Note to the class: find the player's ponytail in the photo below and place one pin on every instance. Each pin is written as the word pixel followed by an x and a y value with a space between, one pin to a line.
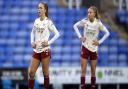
pixel 46 8
pixel 95 11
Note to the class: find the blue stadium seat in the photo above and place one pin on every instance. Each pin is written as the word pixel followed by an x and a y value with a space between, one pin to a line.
pixel 76 49
pixel 112 58
pixel 55 64
pixel 114 34
pixel 121 16
pixel 75 57
pixel 65 57
pixel 113 49
pixel 103 59
pixel 122 58
pixel 113 42
pixel 104 49
pixel 56 57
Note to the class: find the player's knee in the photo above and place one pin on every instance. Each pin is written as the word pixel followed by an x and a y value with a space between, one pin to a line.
pixel 45 72
pixel 93 68
pixel 31 74
pixel 83 72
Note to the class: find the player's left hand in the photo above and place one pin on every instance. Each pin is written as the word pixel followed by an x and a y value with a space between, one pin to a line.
pixel 95 42
pixel 45 43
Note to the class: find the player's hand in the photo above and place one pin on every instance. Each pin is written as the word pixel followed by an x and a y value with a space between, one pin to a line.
pixel 45 43
pixel 33 45
pixel 83 39
pixel 95 42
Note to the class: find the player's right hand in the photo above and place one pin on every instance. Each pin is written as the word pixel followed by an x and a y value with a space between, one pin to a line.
pixel 33 45
pixel 83 39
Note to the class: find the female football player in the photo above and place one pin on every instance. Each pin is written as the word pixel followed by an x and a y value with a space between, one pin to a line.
pixel 90 43
pixel 40 43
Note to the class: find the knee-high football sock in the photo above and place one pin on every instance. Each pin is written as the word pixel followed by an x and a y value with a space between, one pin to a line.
pixel 93 82
pixel 31 84
pixel 46 82
pixel 82 85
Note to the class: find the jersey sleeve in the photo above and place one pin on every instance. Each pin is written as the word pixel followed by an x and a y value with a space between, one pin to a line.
pixel 53 29
pixel 33 33
pixel 79 24
pixel 105 30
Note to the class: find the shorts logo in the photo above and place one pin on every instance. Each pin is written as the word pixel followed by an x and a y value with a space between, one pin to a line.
pixel 46 53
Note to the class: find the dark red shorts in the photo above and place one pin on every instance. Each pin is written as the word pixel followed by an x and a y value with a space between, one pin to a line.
pixel 42 55
pixel 85 53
